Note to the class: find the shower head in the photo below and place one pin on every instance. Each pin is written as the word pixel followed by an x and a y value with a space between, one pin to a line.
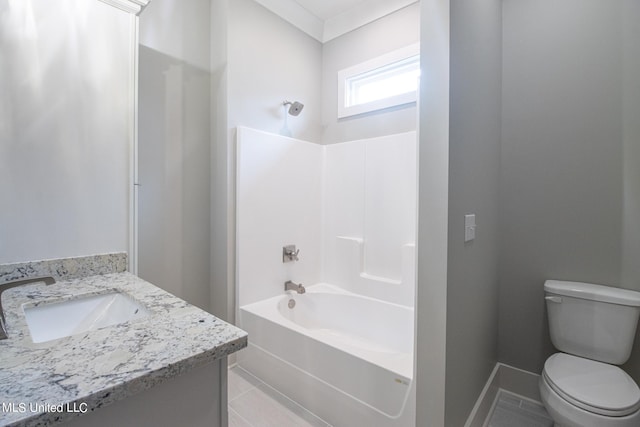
pixel 295 107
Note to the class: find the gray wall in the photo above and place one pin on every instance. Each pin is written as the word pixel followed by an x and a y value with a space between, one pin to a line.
pixel 269 61
pixel 562 161
pixel 222 265
pixel 631 146
pixel 258 61
pixel 399 29
pixel 174 148
pixel 631 160
pixel 65 118
pixel 474 176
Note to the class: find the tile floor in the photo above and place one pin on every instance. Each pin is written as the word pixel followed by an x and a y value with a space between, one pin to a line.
pixel 252 403
pixel 513 411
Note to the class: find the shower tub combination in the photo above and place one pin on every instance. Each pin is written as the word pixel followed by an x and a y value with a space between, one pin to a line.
pixel 343 349
pixel 341 355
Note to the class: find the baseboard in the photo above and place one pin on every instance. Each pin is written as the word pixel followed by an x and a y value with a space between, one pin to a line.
pixel 233 360
pixel 486 400
pixel 520 382
pixel 505 377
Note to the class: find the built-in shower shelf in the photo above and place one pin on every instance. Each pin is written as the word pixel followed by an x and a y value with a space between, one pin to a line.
pixel 360 242
pixel 386 280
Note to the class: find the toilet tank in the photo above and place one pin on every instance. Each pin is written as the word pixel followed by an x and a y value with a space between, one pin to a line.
pixel 593 321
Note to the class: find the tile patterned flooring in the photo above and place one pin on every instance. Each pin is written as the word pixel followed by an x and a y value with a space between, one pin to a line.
pixel 252 403
pixel 513 411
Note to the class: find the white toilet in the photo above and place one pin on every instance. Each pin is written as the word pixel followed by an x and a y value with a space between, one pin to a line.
pixel 594 327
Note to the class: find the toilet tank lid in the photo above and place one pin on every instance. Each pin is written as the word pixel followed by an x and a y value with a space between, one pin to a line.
pixel 593 292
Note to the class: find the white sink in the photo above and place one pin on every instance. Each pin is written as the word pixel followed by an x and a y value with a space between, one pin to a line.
pixel 61 319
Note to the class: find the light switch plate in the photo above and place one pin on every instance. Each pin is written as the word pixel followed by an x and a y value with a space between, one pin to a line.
pixel 469 227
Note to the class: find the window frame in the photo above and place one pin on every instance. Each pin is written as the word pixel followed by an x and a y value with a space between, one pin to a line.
pixel 396 56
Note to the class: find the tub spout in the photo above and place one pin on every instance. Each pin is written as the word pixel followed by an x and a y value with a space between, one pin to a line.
pixel 290 286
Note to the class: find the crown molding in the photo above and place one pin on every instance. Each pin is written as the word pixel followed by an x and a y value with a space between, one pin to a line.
pixel 323 31
pixel 130 6
pixel 361 15
pixel 296 15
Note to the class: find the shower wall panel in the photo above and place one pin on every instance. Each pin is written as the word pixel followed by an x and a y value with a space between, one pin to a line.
pixel 370 216
pixel 350 208
pixel 278 204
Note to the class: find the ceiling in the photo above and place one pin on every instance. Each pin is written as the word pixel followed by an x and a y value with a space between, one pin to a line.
pixel 325 9
pixel 327 19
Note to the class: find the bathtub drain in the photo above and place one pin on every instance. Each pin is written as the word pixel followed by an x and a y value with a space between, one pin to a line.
pixel 292 303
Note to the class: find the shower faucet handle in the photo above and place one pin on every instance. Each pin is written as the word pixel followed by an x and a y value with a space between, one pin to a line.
pixel 289 253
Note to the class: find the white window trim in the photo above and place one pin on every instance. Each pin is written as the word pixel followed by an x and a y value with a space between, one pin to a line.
pixel 372 64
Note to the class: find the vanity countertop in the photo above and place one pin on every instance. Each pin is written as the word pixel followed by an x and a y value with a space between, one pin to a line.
pixel 96 368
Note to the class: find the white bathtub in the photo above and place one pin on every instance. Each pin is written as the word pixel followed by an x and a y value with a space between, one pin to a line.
pixel 344 356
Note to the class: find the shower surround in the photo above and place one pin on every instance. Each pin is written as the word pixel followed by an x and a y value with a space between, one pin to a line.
pixel 351 210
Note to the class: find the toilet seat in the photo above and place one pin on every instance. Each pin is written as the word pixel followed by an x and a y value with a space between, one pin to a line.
pixel 596 387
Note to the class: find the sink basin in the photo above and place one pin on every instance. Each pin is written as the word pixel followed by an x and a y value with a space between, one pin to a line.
pixel 61 319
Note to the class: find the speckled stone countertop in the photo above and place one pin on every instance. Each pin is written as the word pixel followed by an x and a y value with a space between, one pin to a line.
pixel 100 367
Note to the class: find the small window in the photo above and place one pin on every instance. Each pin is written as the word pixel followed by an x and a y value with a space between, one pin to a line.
pixel 383 82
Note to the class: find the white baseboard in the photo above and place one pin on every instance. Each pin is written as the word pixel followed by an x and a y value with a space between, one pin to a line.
pixel 505 377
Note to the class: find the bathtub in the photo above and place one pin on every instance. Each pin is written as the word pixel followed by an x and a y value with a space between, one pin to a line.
pixel 341 355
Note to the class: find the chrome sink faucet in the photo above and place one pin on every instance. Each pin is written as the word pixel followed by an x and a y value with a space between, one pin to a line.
pixel 290 286
pixel 48 280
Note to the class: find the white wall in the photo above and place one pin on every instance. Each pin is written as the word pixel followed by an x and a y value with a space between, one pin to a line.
pixel 64 129
pixel 369 216
pixel 350 208
pixel 174 148
pixel 399 29
pixel 433 186
pixel 279 183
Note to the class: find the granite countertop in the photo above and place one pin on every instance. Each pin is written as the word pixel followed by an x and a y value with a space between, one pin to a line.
pixel 99 367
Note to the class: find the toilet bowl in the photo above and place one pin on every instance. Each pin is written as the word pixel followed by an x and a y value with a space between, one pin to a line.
pixel 593 326
pixel 579 392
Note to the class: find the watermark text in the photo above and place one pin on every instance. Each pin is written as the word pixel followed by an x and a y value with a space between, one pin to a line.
pixel 37 407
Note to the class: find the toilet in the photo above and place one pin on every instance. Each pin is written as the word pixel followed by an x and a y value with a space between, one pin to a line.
pixel 593 327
